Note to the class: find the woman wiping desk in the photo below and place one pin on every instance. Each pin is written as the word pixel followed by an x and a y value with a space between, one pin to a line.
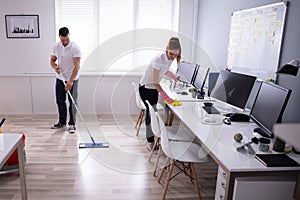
pixel 149 84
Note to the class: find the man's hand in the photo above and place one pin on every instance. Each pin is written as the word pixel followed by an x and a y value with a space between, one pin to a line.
pixel 68 85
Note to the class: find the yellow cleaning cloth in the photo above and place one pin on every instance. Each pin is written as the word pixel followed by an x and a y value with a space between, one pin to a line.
pixel 175 103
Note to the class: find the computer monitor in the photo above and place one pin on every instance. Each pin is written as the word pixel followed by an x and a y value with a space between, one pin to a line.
pixel 186 72
pixel 200 79
pixel 233 88
pixel 212 79
pixel 268 107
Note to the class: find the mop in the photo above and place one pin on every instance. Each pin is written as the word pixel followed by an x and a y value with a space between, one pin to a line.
pixel 85 145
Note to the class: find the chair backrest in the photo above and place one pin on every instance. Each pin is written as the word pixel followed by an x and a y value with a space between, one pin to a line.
pixel 138 100
pixel 154 121
pixel 164 137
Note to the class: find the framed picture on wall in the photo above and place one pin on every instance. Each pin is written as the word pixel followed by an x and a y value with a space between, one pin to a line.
pixel 22 26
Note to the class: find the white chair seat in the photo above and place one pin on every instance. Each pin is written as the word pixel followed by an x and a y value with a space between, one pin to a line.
pixel 187 152
pixel 176 133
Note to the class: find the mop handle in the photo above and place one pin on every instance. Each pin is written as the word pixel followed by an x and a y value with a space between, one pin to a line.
pixel 73 101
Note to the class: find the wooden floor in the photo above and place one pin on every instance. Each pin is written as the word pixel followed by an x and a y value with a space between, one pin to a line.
pixel 57 169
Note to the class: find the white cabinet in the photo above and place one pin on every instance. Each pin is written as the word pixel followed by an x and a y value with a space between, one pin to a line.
pixel 258 187
pixel 221 184
pixel 262 188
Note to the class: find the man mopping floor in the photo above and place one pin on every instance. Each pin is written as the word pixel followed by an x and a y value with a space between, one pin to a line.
pixel 65 60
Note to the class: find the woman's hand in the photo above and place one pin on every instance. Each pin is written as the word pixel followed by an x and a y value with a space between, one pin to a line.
pixel 166 97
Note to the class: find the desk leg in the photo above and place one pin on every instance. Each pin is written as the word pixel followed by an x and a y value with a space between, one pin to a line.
pixel 22 171
pixel 297 192
pixel 168 116
pixel 229 185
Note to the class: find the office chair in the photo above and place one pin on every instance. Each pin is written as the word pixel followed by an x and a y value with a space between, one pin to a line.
pixel 141 106
pixel 186 153
pixel 175 134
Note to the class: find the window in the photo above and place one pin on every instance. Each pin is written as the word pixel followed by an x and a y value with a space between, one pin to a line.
pixel 95 24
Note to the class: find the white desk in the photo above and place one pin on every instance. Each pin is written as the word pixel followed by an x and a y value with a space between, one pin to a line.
pixel 218 141
pixel 8 144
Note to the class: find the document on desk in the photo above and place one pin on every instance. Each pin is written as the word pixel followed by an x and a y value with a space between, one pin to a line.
pixel 276 160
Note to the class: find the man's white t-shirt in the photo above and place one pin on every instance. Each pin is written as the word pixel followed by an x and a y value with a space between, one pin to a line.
pixel 65 57
pixel 159 62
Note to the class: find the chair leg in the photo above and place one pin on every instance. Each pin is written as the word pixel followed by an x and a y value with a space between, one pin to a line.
pixel 139 121
pixel 168 180
pixel 157 160
pixel 153 149
pixel 195 181
pixel 182 165
pixel 191 172
pixel 163 170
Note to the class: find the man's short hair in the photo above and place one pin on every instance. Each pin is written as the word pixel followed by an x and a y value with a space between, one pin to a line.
pixel 64 31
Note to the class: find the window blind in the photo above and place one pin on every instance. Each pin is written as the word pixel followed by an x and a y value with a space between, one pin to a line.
pixel 94 22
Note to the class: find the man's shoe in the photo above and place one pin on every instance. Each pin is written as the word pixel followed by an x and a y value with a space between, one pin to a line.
pixel 58 125
pixel 72 128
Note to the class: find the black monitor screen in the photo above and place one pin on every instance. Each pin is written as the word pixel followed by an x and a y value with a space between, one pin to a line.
pixel 233 88
pixel 268 106
pixel 186 72
pixel 212 79
pixel 200 78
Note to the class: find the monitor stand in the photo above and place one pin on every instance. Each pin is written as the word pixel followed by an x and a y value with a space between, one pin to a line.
pixel 262 132
pixel 200 94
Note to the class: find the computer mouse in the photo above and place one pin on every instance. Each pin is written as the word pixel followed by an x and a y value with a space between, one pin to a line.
pixel 184 93
pixel 226 121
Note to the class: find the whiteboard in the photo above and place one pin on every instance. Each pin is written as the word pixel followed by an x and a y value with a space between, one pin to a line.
pixel 255 40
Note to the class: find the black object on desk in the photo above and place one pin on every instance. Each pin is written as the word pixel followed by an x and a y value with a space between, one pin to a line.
pixel 200 94
pixel 236 117
pixel 239 117
pixel 208 103
pixel 276 160
pixel 210 110
pixel 226 121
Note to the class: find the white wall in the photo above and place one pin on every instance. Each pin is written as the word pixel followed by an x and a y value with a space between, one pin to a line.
pixel 188 27
pixel 27 55
pixel 27 81
pixel 25 94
